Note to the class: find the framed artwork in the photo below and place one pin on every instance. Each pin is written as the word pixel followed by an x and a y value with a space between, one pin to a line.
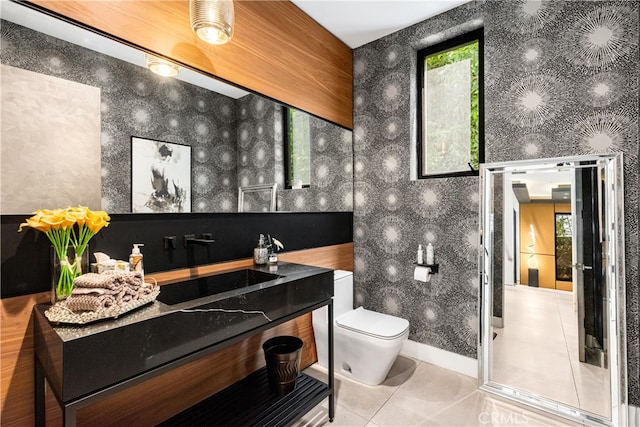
pixel 160 176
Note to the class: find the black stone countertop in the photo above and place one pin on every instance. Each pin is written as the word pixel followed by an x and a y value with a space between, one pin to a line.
pixel 80 360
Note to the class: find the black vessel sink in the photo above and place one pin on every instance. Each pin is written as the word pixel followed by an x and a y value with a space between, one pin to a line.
pixel 195 317
pixel 177 293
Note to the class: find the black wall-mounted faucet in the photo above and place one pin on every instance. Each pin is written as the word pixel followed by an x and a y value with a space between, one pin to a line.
pixel 205 240
pixel 169 242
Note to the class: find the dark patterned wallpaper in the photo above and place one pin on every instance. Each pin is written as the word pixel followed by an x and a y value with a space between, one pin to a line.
pixel 261 158
pixel 259 150
pixel 136 102
pixel 234 142
pixel 331 187
pixel 561 78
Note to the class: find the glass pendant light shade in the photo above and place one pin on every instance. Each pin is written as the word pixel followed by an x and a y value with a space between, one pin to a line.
pixel 212 20
pixel 161 66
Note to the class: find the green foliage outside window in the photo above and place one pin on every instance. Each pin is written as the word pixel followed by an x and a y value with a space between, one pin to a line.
pixel 468 51
pixel 298 154
pixel 564 255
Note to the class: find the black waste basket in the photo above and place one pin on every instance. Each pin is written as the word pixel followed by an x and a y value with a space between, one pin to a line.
pixel 533 277
pixel 282 355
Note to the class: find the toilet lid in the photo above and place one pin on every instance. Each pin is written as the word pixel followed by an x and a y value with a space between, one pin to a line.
pixel 339 274
pixel 372 323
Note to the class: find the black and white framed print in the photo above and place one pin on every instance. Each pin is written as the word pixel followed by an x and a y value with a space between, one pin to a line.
pixel 160 176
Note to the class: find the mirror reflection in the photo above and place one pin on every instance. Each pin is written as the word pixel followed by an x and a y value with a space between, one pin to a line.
pixel 236 137
pixel 257 198
pixel 551 265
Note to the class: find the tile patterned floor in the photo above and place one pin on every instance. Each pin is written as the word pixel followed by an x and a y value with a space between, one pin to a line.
pixel 420 394
pixel 537 350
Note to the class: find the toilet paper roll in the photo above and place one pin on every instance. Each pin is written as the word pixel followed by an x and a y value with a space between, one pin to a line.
pixel 422 274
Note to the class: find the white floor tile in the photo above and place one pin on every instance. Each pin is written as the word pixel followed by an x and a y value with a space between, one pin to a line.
pixel 537 350
pixel 421 394
pixel 361 399
pixel 319 416
pixel 482 409
pixel 428 391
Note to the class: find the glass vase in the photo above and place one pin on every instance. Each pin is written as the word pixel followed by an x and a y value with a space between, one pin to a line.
pixel 273 258
pixel 64 271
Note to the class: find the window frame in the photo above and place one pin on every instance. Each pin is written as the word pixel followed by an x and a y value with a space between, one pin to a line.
pixel 422 54
pixel 287 154
pixel 555 245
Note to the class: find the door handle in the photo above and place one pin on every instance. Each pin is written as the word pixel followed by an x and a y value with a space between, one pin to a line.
pixel 582 267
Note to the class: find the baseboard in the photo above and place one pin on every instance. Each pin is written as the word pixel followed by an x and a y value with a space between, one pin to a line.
pixel 633 417
pixel 497 322
pixel 443 358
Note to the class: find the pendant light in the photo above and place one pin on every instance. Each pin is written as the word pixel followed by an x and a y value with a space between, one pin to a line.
pixel 161 66
pixel 212 20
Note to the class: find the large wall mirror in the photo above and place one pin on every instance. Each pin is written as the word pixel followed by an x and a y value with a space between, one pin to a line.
pixel 102 95
pixel 552 305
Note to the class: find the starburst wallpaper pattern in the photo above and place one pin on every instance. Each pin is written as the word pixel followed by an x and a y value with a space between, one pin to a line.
pixel 261 159
pixel 136 102
pixel 234 142
pixel 561 78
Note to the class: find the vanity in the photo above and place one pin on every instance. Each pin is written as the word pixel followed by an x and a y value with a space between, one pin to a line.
pixel 86 363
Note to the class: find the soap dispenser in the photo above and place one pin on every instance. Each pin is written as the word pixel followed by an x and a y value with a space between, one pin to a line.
pixel 135 259
pixel 261 252
pixel 430 258
pixel 420 255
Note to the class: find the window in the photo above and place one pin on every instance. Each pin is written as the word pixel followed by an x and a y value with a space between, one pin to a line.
pixel 450 111
pixel 564 269
pixel 297 147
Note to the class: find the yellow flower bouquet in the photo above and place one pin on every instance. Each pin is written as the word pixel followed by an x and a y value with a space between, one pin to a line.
pixel 73 226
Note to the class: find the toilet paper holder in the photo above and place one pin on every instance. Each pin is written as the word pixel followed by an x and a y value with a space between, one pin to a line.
pixel 432 267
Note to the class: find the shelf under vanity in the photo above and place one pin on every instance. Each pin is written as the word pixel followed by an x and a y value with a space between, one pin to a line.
pixel 258 405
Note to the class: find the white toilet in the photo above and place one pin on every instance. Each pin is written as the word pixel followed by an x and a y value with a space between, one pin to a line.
pixel 366 343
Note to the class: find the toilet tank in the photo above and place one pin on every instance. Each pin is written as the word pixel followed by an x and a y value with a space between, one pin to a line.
pixel 342 292
pixel 342 298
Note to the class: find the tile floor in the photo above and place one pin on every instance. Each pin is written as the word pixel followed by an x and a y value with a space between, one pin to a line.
pixel 537 350
pixel 420 394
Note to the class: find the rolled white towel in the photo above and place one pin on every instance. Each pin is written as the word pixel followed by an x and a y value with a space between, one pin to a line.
pixel 95 280
pixel 87 302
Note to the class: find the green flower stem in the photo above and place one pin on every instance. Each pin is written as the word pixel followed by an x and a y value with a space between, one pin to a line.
pixel 80 243
pixel 60 239
pixel 65 281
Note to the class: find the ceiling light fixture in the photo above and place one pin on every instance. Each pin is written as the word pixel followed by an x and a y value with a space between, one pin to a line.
pixel 212 20
pixel 161 66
